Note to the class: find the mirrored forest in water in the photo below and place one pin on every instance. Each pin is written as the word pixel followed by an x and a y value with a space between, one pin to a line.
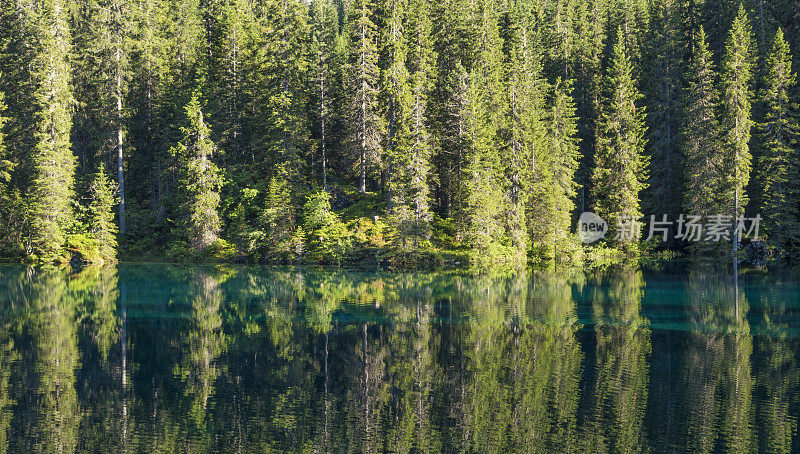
pixel 160 358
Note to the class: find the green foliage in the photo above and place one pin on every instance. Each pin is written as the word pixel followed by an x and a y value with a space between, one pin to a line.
pixel 620 169
pixel 778 133
pixel 479 128
pixel 200 181
pixel 101 215
pixel 701 141
pixel 277 219
pixel 52 193
pixel 735 119
pixel 327 238
pixel 552 202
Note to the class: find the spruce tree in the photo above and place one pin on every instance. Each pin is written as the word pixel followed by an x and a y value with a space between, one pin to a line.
pixel 6 165
pixel 361 82
pixel 778 133
pixel 662 85
pixel 520 132
pixel 7 192
pixel 324 28
pixel 553 198
pixel 103 194
pixel 701 143
pixel 452 44
pixel 481 215
pixel 102 37
pixel 52 192
pixel 395 93
pixel 735 118
pixel 199 180
pixel 410 207
pixel 620 168
pixel 231 61
pixel 282 130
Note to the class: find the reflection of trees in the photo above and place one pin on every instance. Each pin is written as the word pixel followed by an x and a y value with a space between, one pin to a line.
pixel 54 328
pixel 617 391
pixel 412 370
pixel 320 361
pixel 204 344
pixel 8 355
pixel 777 381
pixel 711 388
pixel 523 362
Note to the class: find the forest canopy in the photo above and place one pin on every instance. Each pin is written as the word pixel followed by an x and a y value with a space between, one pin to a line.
pixel 402 132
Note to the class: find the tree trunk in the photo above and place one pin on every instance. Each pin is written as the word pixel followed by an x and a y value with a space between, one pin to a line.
pixel 120 173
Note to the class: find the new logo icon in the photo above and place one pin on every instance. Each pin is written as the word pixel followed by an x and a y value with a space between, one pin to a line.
pixel 591 227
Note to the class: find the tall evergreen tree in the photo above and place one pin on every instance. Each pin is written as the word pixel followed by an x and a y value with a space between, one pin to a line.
pixel 410 207
pixel 662 82
pixel 324 28
pixel 6 165
pixel 283 92
pixel 102 76
pixel 453 45
pixel 52 192
pixel 553 198
pixel 520 132
pixel 361 83
pixel 620 168
pixel 701 134
pixel 199 181
pixel 481 217
pixel 7 192
pixel 735 86
pixel 778 133
pixel 103 194
pixel 148 133
pixel 394 95
pixel 230 64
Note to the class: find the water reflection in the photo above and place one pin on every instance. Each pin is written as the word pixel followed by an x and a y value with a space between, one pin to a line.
pixel 158 358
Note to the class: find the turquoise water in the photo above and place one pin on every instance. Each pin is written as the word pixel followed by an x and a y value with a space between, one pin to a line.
pixel 146 358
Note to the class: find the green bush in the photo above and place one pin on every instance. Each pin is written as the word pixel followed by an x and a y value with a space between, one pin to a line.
pixel 327 238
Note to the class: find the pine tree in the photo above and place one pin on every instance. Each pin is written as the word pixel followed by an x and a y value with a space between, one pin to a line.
pixel 103 195
pixel 148 134
pixel 519 131
pixel 395 92
pixel 230 56
pixel 52 192
pixel 282 128
pixel 452 44
pixel 701 143
pixel 481 215
pixel 278 218
pixel 6 165
pixel 777 132
pixel 324 27
pixel 662 85
pixel 102 37
pixel 361 84
pixel 620 168
pixel 410 208
pixel 199 181
pixel 553 199
pixel 7 192
pixel 735 118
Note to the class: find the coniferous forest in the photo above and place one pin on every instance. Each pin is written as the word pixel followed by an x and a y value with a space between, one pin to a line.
pixel 391 131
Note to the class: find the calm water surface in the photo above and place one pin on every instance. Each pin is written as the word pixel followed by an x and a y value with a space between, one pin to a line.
pixel 145 358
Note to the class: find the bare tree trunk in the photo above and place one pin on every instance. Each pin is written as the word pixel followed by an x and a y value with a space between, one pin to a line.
pixel 120 173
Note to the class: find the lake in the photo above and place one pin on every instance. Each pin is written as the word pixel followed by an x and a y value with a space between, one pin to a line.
pixel 158 358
